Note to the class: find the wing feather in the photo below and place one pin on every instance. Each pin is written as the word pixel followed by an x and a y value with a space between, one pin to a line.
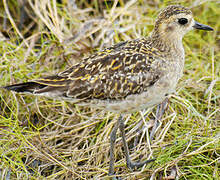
pixel 114 73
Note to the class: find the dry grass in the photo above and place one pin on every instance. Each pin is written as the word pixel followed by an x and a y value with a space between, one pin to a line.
pixel 42 138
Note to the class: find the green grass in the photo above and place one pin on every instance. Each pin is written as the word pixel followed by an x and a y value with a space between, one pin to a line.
pixel 43 138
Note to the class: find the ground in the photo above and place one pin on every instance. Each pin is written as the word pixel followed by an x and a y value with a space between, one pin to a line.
pixel 44 138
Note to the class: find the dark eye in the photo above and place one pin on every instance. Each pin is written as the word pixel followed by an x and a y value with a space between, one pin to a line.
pixel 182 21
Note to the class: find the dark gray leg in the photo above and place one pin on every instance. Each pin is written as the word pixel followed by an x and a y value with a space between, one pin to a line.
pixel 112 146
pixel 130 164
pixel 159 113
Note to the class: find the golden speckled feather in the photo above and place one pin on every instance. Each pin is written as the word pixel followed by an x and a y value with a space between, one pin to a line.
pixel 113 73
pixel 128 76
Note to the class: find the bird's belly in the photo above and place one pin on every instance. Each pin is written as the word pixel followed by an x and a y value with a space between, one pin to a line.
pixel 136 102
pixel 153 96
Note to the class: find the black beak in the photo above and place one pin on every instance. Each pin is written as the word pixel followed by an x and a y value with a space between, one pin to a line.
pixel 202 27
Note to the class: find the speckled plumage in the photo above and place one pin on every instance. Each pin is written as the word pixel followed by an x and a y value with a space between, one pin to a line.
pixel 126 77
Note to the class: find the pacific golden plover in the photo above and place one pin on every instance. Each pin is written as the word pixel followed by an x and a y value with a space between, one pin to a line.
pixel 126 77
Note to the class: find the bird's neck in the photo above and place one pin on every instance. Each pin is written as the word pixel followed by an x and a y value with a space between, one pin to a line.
pixel 168 43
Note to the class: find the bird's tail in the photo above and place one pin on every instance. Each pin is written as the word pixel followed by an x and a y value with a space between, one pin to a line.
pixel 48 86
pixel 28 87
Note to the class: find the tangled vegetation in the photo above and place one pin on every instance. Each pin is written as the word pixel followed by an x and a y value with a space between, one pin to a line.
pixel 43 138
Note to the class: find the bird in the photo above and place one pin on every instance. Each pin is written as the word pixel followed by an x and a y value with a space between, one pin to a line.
pixel 126 77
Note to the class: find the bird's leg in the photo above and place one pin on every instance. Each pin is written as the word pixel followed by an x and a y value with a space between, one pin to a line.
pixel 112 146
pixel 159 113
pixel 130 164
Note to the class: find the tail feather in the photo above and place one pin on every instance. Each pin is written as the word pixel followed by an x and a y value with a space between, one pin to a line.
pixel 28 87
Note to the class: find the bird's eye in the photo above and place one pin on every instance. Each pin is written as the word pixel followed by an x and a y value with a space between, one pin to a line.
pixel 182 21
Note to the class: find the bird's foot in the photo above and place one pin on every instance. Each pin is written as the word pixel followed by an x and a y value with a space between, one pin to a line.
pixel 132 165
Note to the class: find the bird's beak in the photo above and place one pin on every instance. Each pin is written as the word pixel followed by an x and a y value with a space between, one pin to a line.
pixel 202 27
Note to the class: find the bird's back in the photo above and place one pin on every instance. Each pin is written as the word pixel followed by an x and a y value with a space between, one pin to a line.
pixel 112 75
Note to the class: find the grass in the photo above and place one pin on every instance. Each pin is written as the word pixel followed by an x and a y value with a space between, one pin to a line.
pixel 43 138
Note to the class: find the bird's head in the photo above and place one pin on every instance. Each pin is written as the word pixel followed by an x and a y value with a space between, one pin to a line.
pixel 175 21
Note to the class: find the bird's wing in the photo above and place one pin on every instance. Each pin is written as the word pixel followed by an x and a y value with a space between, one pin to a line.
pixel 126 68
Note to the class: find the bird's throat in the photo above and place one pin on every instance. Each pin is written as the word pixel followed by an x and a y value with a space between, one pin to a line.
pixel 168 43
